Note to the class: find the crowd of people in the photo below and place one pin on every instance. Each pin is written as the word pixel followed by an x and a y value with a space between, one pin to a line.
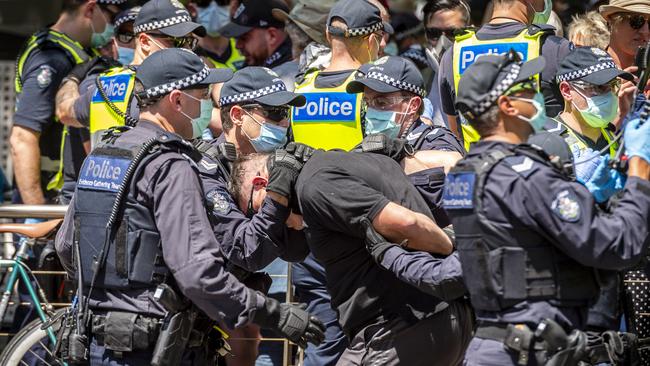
pixel 453 182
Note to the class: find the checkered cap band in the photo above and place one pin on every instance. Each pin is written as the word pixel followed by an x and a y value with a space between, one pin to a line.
pixel 162 23
pixel 184 83
pixel 111 2
pixel 396 83
pixel 124 19
pixel 416 55
pixel 363 31
pixel 251 95
pixel 579 74
pixel 494 94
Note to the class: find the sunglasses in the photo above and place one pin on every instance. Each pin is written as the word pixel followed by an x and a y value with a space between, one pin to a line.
pixel 434 33
pixel 125 37
pixel 384 103
pixel 591 90
pixel 636 21
pixel 275 114
pixel 188 42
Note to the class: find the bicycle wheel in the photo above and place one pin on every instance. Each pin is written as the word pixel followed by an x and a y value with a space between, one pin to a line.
pixel 31 346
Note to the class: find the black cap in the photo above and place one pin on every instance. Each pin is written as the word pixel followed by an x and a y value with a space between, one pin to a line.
pixel 405 25
pixel 553 144
pixel 590 64
pixel 176 69
pixel 261 85
pixel 169 17
pixel 128 15
pixel 253 14
pixel 389 74
pixel 361 17
pixel 490 77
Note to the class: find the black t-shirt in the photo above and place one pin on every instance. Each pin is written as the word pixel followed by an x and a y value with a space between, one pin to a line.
pixel 335 191
pixel 554 49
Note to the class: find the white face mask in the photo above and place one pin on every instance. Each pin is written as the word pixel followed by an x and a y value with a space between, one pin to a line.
pixel 444 43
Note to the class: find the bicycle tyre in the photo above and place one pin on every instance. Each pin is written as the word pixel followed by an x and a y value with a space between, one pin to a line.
pixel 26 339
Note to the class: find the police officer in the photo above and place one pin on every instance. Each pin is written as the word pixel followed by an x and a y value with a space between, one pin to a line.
pixel 528 236
pixel 163 225
pixel 387 321
pixel 45 59
pixel 331 118
pixel 218 50
pixel 409 39
pixel 518 24
pixel 393 91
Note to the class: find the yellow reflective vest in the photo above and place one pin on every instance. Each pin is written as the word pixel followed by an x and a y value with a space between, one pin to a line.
pixel 77 55
pixel 576 143
pixel 331 118
pixel 109 105
pixel 234 62
pixel 468 48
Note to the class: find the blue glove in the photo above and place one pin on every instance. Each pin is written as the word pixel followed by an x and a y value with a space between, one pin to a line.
pixel 605 181
pixel 637 139
pixel 586 162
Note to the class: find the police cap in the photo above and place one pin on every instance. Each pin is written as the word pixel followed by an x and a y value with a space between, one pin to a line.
pixel 261 85
pixel 128 15
pixel 361 17
pixel 389 74
pixel 253 14
pixel 591 65
pixel 176 69
pixel 490 77
pixel 310 16
pixel 168 17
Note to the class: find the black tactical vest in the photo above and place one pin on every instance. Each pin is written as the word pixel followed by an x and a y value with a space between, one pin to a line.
pixel 505 266
pixel 134 257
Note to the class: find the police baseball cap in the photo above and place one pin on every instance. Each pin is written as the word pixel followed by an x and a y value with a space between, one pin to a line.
pixel 253 14
pixel 168 17
pixel 591 65
pixel 256 84
pixel 176 69
pixel 119 3
pixel 361 17
pixel 405 25
pixel 389 74
pixel 128 15
pixel 489 77
pixel 308 15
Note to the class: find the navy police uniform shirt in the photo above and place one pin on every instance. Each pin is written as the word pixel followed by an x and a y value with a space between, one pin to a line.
pixel 553 48
pixel 171 188
pixel 522 193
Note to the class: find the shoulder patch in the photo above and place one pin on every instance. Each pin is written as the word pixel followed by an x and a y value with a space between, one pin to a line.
pixel 45 74
pixel 459 191
pixel 521 164
pixel 220 201
pixel 413 136
pixel 566 206
pixel 207 164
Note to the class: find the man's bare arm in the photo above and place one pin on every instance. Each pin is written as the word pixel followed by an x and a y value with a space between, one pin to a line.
pixel 453 125
pixel 428 159
pixel 65 98
pixel 26 155
pixel 397 223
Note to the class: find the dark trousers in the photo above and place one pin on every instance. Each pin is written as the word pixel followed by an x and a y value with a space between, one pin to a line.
pixel 100 356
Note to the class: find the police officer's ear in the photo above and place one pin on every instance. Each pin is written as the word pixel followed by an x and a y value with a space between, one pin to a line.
pixel 565 90
pixel 145 42
pixel 507 107
pixel 89 8
pixel 415 105
pixel 174 99
pixel 237 115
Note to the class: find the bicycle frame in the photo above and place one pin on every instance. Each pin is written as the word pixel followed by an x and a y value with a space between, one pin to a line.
pixel 19 268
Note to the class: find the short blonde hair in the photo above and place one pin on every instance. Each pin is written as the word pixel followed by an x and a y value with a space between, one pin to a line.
pixel 590 30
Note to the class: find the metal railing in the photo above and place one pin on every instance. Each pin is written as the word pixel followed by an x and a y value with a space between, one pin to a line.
pixel 20 211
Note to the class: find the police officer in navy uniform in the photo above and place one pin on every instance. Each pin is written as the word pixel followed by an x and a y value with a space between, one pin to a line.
pixel 529 237
pixel 393 91
pixel 150 195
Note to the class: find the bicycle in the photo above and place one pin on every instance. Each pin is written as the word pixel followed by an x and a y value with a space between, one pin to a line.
pixel 36 340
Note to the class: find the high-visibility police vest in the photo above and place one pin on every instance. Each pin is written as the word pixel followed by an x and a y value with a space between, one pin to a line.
pixel 331 118
pixel 468 48
pixel 234 62
pixel 576 143
pixel 118 83
pixel 76 53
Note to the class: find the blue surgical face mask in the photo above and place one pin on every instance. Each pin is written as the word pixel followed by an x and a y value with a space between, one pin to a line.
pixel 213 17
pixel 378 121
pixel 271 136
pixel 538 120
pixel 542 17
pixel 601 109
pixel 125 55
pixel 200 123
pixel 98 40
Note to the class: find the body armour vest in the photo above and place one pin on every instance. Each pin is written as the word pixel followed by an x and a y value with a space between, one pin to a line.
pixel 500 269
pixel 134 257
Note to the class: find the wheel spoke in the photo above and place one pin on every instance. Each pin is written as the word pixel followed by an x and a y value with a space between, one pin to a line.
pixel 40 358
pixel 46 349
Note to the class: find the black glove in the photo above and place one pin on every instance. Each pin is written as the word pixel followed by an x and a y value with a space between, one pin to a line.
pixel 291 321
pixel 284 169
pixel 376 244
pixel 93 66
pixel 302 152
pixel 397 149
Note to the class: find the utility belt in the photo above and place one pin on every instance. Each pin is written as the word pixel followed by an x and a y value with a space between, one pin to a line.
pixel 516 337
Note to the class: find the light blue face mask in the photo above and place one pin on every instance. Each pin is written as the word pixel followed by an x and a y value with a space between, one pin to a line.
pixel 125 55
pixel 378 121
pixel 271 136
pixel 98 40
pixel 200 123
pixel 542 17
pixel 539 119
pixel 213 17
pixel 601 109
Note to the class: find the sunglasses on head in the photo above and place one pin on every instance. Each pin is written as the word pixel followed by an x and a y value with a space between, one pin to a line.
pixel 434 33
pixel 125 37
pixel 635 21
pixel 275 114
pixel 188 42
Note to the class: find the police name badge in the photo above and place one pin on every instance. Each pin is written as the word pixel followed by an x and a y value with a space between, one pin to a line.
pixel 459 191
pixel 566 206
